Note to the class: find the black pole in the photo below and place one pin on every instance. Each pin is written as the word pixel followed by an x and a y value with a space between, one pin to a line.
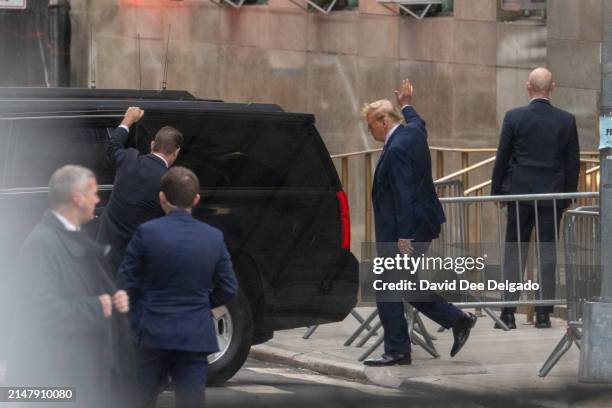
pixel 59 37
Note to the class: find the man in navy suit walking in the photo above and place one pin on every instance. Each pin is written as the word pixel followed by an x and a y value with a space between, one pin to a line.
pixel 538 153
pixel 174 269
pixel 134 199
pixel 407 214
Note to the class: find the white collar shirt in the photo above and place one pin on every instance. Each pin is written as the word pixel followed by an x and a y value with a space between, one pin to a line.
pixel 535 99
pixel 390 133
pixel 161 157
pixel 67 224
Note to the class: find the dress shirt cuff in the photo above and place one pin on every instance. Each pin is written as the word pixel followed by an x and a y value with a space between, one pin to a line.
pixel 406 106
pixel 127 129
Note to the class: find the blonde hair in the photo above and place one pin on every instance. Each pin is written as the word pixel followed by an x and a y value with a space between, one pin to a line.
pixel 381 108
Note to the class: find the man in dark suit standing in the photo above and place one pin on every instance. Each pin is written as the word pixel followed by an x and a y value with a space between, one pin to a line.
pixel 134 199
pixel 62 332
pixel 538 153
pixel 407 214
pixel 176 269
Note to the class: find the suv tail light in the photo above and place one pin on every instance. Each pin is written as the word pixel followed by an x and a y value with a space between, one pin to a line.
pixel 345 219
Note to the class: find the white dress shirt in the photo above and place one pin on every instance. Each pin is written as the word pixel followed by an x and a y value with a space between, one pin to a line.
pixel 389 133
pixel 161 157
pixel 67 224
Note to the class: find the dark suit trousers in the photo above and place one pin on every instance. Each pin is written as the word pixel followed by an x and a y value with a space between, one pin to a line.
pixel 393 319
pixel 517 248
pixel 187 369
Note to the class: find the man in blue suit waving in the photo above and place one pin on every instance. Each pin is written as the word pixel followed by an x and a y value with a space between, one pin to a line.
pixel 175 270
pixel 407 214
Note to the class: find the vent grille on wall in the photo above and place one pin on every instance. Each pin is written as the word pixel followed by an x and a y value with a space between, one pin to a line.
pixel 516 5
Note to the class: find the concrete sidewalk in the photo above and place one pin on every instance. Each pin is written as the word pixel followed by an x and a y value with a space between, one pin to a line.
pixel 494 366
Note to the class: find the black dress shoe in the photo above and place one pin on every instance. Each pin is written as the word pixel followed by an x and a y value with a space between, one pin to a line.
pixel 461 332
pixel 508 319
pixel 542 321
pixel 389 359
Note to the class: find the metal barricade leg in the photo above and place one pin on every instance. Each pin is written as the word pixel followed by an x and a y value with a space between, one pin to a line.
pixel 496 319
pixel 422 330
pixel 572 336
pixel 415 339
pixel 489 312
pixel 562 347
pixel 369 335
pixel 309 331
pixel 361 328
pixel 577 337
pixel 418 330
pixel 416 327
pixel 360 319
pixel 371 349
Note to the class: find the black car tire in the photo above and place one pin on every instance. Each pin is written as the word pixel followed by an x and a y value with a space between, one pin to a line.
pixel 233 355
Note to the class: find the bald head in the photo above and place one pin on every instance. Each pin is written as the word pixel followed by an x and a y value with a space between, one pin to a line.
pixel 540 83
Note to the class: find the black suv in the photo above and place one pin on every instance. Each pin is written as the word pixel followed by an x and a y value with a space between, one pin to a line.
pixel 267 182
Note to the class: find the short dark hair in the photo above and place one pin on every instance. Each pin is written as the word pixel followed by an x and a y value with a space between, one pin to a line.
pixel 167 140
pixel 180 186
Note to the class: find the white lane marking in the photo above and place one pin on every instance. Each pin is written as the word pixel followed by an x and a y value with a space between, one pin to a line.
pixel 318 378
pixel 258 389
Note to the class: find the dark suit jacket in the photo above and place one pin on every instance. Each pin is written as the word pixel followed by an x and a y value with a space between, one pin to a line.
pixel 538 151
pixel 135 196
pixel 171 269
pixel 403 195
pixel 60 334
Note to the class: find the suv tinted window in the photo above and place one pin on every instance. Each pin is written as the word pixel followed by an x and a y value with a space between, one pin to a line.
pixel 43 145
pixel 247 152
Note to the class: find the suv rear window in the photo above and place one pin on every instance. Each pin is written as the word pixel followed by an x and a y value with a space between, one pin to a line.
pixel 247 152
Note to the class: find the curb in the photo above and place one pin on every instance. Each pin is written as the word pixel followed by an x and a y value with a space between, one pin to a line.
pixel 382 378
pixel 306 361
pixel 490 398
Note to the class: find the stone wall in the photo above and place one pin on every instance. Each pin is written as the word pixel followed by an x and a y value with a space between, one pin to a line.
pixel 574 52
pixel 467 69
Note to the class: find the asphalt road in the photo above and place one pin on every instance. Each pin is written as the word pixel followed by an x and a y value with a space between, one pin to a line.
pixel 259 385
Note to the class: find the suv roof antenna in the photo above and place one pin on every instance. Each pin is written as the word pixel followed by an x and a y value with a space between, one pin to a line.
pixel 164 82
pixel 92 63
pixel 139 64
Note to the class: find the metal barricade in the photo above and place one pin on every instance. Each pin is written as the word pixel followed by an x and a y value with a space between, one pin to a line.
pixel 492 230
pixel 582 275
pixel 455 233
